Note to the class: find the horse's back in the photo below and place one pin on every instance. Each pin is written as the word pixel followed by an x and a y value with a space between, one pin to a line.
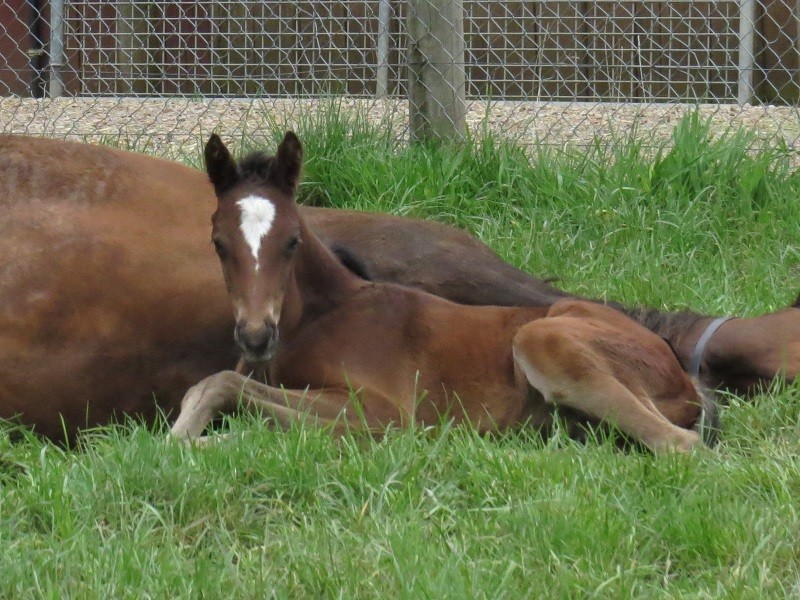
pixel 109 290
pixel 430 256
pixel 81 173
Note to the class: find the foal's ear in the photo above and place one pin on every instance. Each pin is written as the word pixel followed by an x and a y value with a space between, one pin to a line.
pixel 220 166
pixel 288 160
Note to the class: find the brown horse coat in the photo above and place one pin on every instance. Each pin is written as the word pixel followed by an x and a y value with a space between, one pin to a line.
pixel 109 296
pixel 111 300
pixel 344 350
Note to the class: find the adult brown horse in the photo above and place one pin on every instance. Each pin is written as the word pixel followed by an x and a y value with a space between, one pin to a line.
pixel 364 354
pixel 111 301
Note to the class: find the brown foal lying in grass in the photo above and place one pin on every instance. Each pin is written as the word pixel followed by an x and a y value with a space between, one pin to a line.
pixel 352 353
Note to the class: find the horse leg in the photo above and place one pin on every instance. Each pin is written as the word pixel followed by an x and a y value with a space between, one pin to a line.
pixel 223 392
pixel 652 352
pixel 558 359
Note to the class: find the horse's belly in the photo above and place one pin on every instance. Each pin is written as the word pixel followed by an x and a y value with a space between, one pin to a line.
pixel 58 391
pixel 489 405
pixel 86 345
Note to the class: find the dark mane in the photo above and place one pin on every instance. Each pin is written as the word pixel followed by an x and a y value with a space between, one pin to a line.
pixel 256 164
pixel 666 324
pixel 353 262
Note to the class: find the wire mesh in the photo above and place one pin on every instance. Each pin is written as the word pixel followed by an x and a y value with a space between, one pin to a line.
pixel 556 72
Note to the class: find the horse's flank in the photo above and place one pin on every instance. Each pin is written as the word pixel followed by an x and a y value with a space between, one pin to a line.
pixel 109 294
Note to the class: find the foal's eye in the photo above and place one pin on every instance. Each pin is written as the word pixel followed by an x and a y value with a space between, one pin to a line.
pixel 292 244
pixel 220 249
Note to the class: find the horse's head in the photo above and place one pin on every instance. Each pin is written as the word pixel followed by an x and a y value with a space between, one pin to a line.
pixel 256 230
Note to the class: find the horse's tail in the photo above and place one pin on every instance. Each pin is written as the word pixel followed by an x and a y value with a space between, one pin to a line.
pixel 708 424
pixel 796 303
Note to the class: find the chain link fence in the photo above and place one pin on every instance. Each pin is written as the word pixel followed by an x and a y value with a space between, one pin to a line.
pixel 165 73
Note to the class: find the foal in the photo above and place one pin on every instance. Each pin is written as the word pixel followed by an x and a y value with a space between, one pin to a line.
pixel 412 357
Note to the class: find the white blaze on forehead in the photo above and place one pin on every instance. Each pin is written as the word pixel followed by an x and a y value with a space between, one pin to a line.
pixel 257 214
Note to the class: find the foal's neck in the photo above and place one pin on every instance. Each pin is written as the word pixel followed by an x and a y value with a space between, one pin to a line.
pixel 317 283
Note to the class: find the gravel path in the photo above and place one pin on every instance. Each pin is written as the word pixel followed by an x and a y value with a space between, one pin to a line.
pixel 174 127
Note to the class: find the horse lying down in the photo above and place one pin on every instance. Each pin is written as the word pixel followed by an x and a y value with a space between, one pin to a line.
pixel 408 356
pixel 111 302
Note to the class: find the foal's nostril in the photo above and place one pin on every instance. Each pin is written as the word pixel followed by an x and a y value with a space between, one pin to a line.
pixel 257 341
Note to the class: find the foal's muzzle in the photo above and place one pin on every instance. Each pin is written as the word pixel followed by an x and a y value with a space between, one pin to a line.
pixel 257 341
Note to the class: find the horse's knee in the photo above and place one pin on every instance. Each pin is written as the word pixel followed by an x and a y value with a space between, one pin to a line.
pixel 572 307
pixel 213 388
pixel 558 345
pixel 226 379
pixel 553 360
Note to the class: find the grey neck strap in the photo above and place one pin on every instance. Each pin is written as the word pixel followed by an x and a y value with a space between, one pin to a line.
pixel 700 347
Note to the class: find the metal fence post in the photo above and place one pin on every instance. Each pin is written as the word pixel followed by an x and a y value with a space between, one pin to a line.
pixel 382 75
pixel 56 48
pixel 436 77
pixel 747 59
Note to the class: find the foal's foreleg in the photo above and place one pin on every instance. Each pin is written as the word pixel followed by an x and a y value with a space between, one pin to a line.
pixel 569 372
pixel 226 391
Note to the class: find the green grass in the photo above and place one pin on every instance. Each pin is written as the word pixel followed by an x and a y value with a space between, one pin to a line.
pixel 706 222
